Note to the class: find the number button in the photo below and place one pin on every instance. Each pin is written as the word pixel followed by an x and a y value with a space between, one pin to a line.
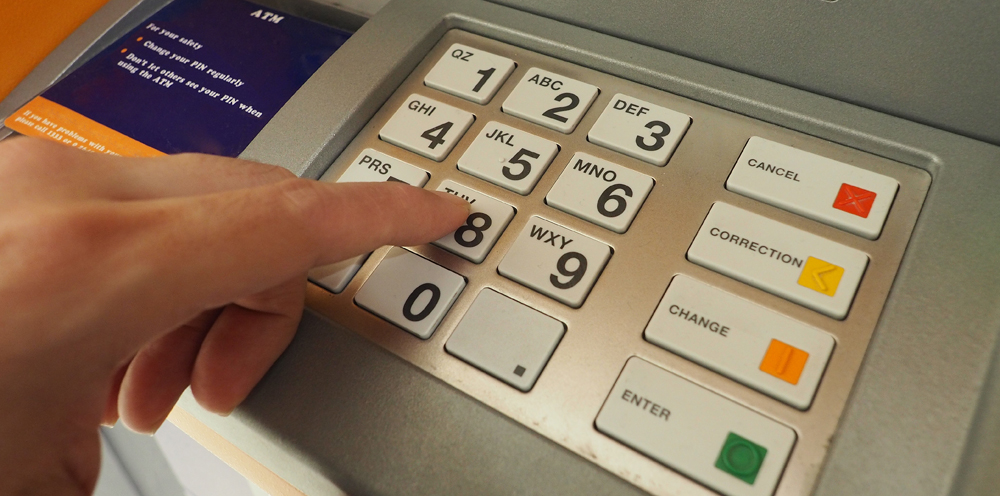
pixel 469 73
pixel 639 129
pixel 555 261
pixel 554 101
pixel 410 291
pixel 426 127
pixel 373 166
pixel 370 166
pixel 486 222
pixel 599 191
pixel 508 157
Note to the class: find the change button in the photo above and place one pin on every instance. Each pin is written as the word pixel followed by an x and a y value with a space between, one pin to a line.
pixel 772 353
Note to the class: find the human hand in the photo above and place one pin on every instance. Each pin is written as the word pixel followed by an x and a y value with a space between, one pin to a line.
pixel 123 281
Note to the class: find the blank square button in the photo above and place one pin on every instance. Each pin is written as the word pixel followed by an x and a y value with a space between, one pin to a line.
pixel 506 339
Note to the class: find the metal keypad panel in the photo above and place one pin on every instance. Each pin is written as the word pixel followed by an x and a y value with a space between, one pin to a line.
pixel 581 231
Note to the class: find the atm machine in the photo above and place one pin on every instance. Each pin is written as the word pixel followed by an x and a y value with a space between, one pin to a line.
pixel 714 248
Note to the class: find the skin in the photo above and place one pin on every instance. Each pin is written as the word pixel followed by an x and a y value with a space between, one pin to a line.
pixel 124 281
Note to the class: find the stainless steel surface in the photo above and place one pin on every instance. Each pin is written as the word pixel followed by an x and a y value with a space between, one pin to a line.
pixel 607 329
pixel 922 60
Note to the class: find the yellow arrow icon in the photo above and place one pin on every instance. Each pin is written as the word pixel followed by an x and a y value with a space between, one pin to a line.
pixel 821 276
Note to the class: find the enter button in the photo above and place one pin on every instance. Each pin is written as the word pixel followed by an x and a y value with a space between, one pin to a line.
pixel 711 439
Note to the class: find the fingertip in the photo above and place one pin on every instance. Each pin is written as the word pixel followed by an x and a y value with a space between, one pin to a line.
pixel 213 403
pixel 459 209
pixel 243 345
pixel 454 200
pixel 213 396
pixel 134 415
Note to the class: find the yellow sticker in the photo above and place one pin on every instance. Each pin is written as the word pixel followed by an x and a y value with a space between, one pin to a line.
pixel 821 276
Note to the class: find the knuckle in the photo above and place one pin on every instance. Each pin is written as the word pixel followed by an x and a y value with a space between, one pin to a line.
pixel 266 173
pixel 60 236
pixel 271 173
pixel 20 155
pixel 28 160
pixel 303 201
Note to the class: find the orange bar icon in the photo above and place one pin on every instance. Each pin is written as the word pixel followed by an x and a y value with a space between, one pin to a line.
pixel 784 361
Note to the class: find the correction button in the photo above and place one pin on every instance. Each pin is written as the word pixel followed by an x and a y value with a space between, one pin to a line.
pixel 799 266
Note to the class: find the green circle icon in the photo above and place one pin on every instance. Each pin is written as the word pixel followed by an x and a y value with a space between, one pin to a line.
pixel 741 458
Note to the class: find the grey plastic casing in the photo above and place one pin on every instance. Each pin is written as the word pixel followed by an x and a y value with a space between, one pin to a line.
pixel 924 416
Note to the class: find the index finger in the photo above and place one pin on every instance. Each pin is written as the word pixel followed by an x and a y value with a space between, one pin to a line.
pixel 82 174
pixel 204 252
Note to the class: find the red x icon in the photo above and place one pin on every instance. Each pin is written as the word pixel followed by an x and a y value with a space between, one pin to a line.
pixel 854 200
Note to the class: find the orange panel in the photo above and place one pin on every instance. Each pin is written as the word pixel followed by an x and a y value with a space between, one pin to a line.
pixel 44 118
pixel 30 29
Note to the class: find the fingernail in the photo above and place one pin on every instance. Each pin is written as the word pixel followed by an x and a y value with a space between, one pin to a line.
pixel 452 198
